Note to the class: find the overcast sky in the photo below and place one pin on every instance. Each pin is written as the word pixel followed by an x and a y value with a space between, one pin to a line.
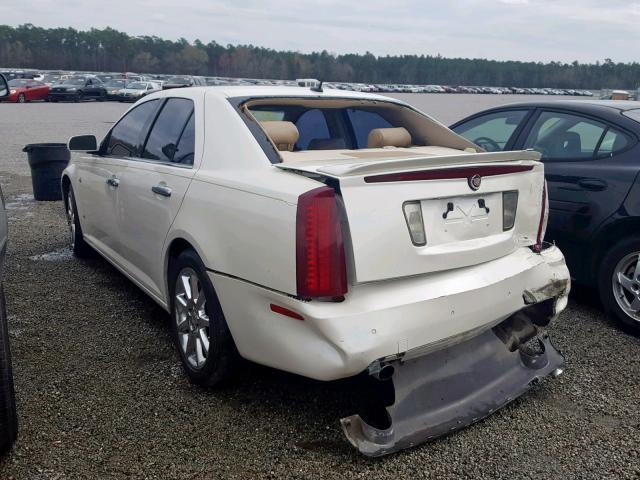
pixel 544 30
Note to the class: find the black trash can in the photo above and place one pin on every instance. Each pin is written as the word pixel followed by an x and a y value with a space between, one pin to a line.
pixel 47 161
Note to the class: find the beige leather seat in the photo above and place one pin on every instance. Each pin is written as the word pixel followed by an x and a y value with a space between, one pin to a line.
pixel 389 137
pixel 283 134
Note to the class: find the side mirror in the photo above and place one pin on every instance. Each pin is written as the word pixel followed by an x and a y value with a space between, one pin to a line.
pixel 4 87
pixel 83 143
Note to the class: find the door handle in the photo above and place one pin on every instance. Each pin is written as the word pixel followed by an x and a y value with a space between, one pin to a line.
pixel 593 184
pixel 161 190
pixel 113 182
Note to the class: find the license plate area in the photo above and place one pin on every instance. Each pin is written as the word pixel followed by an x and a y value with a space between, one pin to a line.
pixel 454 219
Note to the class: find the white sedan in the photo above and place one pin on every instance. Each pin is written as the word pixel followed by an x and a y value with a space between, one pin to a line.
pixel 330 234
pixel 136 90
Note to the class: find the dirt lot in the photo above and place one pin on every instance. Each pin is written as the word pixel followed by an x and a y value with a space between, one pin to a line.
pixel 101 393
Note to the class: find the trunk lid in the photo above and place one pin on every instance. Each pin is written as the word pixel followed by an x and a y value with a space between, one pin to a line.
pixel 463 222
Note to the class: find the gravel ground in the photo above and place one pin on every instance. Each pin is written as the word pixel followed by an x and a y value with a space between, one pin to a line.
pixel 101 393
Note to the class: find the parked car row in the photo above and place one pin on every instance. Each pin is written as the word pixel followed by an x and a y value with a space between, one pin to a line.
pixel 80 88
pixel 458 89
pixel 172 81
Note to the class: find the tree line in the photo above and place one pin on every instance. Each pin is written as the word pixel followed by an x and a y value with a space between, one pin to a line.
pixel 108 50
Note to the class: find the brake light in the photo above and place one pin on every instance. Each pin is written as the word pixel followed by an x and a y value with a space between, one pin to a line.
pixel 544 215
pixel 320 261
pixel 448 173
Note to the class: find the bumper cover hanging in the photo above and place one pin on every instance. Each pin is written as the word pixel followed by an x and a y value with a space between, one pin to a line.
pixel 444 391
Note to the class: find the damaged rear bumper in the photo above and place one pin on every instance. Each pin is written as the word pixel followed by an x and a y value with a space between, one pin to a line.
pixel 411 401
pixel 403 317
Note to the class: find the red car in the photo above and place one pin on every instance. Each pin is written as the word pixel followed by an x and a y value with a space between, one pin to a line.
pixel 23 90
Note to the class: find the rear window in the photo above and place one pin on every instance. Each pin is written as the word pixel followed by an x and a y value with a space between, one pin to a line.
pixel 312 126
pixel 327 128
pixel 268 115
pixel 363 122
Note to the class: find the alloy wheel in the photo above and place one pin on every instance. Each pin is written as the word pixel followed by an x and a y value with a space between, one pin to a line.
pixel 626 285
pixel 191 318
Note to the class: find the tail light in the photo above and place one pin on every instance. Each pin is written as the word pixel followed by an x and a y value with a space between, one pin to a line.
pixel 320 262
pixel 544 216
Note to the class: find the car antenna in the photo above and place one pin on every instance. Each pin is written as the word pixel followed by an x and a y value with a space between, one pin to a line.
pixel 318 87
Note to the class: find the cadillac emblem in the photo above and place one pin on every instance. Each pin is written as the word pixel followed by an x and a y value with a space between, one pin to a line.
pixel 475 182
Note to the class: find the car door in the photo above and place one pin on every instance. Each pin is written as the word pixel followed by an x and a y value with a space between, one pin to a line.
pixel 92 88
pixel 98 187
pixel 29 91
pixel 584 160
pixel 39 91
pixel 152 189
pixel 494 131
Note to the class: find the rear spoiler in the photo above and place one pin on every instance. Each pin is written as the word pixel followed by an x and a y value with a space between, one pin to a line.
pixel 369 167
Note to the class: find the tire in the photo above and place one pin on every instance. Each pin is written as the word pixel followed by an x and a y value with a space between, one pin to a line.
pixel 78 98
pixel 102 98
pixel 80 248
pixel 8 417
pixel 619 283
pixel 22 98
pixel 199 330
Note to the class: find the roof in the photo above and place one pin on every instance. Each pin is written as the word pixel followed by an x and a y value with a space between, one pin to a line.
pixel 279 91
pixel 620 105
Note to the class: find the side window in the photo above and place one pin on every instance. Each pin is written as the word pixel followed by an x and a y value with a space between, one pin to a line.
pixel 613 142
pixel 125 138
pixel 312 126
pixel 187 143
pixel 493 131
pixel 162 143
pixel 363 122
pixel 559 136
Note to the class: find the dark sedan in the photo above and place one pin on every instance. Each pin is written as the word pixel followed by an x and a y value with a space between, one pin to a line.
pixel 78 89
pixel 591 153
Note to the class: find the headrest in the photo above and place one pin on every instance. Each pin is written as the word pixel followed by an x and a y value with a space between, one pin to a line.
pixel 283 134
pixel 389 137
pixel 571 143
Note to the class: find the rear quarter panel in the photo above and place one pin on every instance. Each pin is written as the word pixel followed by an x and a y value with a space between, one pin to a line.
pixel 240 210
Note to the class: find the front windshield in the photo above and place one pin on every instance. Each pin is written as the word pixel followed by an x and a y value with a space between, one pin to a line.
pixel 179 80
pixel 18 82
pixel 137 86
pixel 75 81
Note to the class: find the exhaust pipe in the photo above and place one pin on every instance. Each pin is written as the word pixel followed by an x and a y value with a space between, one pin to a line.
pixel 381 371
